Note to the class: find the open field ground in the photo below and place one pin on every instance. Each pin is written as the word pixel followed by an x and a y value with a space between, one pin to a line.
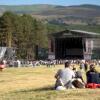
pixel 37 84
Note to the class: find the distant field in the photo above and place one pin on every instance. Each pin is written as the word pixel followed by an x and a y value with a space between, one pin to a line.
pixel 37 84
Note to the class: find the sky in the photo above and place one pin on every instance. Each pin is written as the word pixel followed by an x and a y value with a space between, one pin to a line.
pixel 54 2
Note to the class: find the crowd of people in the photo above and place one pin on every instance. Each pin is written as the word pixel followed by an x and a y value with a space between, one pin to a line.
pixel 31 63
pixel 71 76
pixel 28 63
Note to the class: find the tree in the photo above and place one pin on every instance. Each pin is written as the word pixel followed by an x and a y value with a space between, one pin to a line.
pixel 22 32
pixel 40 34
pixel 6 27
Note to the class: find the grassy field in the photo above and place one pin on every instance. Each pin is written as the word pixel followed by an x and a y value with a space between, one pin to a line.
pixel 37 84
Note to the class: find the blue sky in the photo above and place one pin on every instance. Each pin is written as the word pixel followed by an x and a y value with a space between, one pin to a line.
pixel 57 2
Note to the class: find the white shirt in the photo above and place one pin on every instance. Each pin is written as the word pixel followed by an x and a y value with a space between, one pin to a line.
pixel 66 75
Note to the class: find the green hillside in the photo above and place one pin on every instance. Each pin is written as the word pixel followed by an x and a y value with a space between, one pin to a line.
pixel 80 14
pixel 53 9
pixel 26 8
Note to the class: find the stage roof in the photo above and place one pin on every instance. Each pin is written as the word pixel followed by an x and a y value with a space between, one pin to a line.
pixel 76 33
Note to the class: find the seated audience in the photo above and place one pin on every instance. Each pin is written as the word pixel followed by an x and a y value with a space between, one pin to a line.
pixel 65 76
pixel 78 81
pixel 92 74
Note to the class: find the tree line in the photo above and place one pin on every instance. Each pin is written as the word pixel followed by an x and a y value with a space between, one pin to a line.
pixel 22 32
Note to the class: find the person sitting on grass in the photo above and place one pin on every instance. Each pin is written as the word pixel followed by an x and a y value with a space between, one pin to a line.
pixel 92 71
pixel 2 65
pixel 78 81
pixel 65 76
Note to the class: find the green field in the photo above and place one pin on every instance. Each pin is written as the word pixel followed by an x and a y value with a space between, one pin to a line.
pixel 37 84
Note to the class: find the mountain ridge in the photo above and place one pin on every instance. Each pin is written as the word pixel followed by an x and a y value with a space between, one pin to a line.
pixel 73 14
pixel 37 6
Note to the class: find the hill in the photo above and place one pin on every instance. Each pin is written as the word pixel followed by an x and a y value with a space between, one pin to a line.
pixel 26 8
pixel 80 14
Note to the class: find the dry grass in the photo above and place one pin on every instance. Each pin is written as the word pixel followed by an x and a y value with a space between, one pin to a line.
pixel 37 84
